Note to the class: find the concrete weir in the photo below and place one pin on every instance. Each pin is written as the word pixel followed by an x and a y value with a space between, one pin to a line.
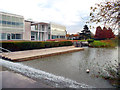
pixel 38 53
pixel 36 74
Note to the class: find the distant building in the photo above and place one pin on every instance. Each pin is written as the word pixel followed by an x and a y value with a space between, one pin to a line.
pixel 40 31
pixel 14 27
pixel 73 36
pixel 11 26
pixel 57 31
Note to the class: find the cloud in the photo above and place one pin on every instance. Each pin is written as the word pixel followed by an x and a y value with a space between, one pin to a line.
pixel 71 13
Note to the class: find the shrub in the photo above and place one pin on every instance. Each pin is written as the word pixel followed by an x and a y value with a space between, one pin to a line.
pixel 90 40
pixel 99 44
pixel 28 45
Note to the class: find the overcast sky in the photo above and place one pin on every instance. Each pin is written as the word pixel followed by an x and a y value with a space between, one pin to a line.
pixel 71 13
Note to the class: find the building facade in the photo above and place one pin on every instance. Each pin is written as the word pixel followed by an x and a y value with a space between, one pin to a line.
pixel 57 31
pixel 11 26
pixel 40 31
pixel 14 27
pixel 43 31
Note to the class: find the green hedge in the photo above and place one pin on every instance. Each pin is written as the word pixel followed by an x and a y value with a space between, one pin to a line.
pixel 27 45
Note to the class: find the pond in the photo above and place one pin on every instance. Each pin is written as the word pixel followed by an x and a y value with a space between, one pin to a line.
pixel 74 65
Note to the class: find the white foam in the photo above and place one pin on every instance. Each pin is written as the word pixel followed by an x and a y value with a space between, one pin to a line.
pixel 58 81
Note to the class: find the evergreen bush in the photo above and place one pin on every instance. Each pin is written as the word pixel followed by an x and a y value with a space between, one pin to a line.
pixel 28 45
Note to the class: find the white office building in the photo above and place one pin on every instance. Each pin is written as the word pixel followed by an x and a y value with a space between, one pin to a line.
pixel 14 27
pixel 43 31
pixel 57 31
pixel 11 26
pixel 40 31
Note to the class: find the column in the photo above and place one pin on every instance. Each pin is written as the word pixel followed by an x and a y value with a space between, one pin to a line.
pixel 46 32
pixel 38 33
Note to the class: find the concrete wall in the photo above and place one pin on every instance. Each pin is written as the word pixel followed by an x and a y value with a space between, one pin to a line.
pixel 27 32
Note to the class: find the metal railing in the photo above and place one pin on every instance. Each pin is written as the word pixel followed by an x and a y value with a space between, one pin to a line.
pixel 1 50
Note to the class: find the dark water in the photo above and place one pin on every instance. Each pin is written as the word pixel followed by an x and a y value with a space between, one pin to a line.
pixel 74 65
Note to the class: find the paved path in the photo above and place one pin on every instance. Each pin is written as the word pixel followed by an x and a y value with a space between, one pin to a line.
pixel 15 80
pixel 39 53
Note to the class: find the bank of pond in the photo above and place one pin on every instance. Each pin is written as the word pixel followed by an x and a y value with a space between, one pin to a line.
pixel 103 43
pixel 111 43
pixel 29 45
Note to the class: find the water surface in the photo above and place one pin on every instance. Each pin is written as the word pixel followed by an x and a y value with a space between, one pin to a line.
pixel 74 65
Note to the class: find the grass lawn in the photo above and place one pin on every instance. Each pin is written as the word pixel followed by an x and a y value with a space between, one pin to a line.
pixel 103 43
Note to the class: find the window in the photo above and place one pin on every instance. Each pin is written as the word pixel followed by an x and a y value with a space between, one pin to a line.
pixel 17 23
pixel 8 37
pixel 21 24
pixel 3 17
pixel 3 22
pixel 3 36
pixel 9 23
pixel 13 36
pixel 48 36
pixel 13 23
pixel 20 20
pixel 53 36
pixel 18 36
pixel 32 36
pixel 13 19
pixel 62 36
pixel 42 26
pixel 8 18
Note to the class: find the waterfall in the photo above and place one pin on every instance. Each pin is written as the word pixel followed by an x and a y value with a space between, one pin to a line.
pixel 55 81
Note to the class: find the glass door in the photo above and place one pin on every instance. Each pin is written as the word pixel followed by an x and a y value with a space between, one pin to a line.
pixel 32 37
pixel 8 37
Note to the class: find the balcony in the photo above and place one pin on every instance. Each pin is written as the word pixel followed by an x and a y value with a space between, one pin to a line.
pixel 33 28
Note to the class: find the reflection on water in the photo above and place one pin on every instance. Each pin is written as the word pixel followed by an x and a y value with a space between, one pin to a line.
pixel 74 65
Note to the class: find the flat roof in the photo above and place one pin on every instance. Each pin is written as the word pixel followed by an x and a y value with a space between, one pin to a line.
pixel 29 21
pixel 11 14
pixel 40 23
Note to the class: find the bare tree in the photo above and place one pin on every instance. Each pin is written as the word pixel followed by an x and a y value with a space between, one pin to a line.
pixel 107 12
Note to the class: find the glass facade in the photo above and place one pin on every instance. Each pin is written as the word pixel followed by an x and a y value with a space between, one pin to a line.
pixel 53 36
pixel 2 36
pixel 11 21
pixel 13 36
pixel 34 36
pixel 8 36
pixel 18 36
pixel 11 26
pixel 56 36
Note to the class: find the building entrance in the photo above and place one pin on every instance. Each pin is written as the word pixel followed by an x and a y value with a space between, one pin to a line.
pixel 8 36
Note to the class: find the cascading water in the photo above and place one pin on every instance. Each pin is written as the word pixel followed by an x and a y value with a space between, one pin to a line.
pixel 55 81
